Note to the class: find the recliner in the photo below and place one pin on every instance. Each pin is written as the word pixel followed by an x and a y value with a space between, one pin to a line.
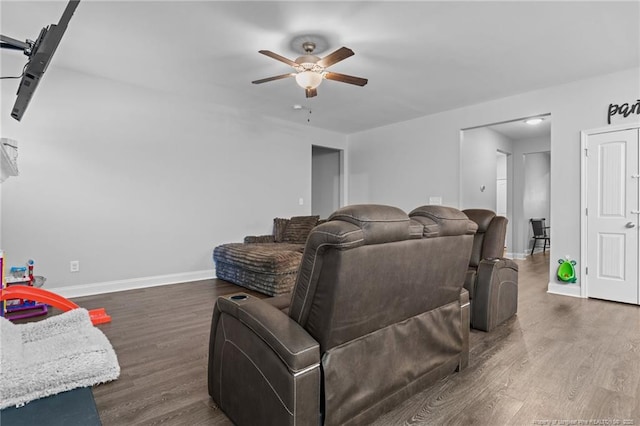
pixel 492 280
pixel 378 312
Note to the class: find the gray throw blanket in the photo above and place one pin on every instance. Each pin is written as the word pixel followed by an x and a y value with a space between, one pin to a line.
pixel 54 355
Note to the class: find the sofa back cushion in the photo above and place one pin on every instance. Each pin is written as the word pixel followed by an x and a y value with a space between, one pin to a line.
pixel 489 240
pixel 441 221
pixel 279 225
pixel 298 229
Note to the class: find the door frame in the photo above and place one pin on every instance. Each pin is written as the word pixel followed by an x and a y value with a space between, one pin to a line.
pixel 584 135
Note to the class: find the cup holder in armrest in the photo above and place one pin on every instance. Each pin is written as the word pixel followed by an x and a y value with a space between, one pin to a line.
pixel 239 297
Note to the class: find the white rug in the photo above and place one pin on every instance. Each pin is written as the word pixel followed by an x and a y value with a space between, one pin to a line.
pixel 54 355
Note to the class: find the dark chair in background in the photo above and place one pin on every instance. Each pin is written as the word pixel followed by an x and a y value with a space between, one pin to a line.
pixel 539 233
pixel 492 279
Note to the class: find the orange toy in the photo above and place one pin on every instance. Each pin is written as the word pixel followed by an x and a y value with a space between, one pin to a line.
pixel 98 316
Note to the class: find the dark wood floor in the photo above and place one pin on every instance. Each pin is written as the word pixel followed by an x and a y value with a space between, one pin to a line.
pixel 560 358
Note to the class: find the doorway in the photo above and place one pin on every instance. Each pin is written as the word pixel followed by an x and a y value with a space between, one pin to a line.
pixel 484 183
pixel 502 194
pixel 537 191
pixel 326 180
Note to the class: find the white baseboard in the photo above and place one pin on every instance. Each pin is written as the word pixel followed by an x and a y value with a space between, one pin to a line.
pixel 538 250
pixel 524 255
pixel 132 284
pixel 516 256
pixel 572 290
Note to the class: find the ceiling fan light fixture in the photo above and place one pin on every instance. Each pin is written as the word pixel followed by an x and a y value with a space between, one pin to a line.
pixel 308 79
pixel 311 70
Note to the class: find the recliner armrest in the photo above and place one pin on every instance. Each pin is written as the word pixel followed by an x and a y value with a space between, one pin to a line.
pixel 263 366
pixel 495 298
pixel 499 262
pixel 297 349
pixel 465 316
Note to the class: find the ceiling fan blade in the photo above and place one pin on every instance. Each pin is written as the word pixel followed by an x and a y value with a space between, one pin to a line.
pixel 345 78
pixel 337 56
pixel 311 92
pixel 278 57
pixel 277 77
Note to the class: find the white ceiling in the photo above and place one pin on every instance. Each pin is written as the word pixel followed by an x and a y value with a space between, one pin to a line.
pixel 518 130
pixel 420 57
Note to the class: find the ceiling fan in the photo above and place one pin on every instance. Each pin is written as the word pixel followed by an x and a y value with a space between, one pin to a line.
pixel 311 70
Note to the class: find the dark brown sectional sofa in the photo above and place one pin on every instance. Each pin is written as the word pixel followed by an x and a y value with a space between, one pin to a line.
pixel 266 263
pixel 377 313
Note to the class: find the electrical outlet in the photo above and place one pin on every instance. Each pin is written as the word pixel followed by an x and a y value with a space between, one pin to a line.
pixel 74 266
pixel 301 201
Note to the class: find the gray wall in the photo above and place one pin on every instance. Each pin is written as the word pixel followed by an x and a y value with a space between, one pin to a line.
pixel 325 181
pixel 137 184
pixel 501 183
pixel 404 163
pixel 478 167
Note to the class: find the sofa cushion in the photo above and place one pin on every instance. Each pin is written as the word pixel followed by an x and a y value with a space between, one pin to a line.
pixel 298 229
pixel 279 225
pixel 481 217
pixel 269 268
pixel 259 239
pixel 489 241
pixel 378 223
pixel 440 221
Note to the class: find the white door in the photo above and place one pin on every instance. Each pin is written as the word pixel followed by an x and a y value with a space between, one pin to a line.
pixel 612 216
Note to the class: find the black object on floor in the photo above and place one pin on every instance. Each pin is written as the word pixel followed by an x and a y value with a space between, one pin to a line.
pixel 75 407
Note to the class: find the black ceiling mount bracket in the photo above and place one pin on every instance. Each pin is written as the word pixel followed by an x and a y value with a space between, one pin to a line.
pixel 12 43
pixel 40 53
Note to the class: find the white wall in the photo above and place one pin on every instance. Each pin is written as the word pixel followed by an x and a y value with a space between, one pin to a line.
pixel 478 167
pixel 404 163
pixel 137 184
pixel 501 184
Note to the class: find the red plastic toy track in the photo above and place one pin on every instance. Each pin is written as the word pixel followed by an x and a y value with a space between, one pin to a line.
pixel 98 316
